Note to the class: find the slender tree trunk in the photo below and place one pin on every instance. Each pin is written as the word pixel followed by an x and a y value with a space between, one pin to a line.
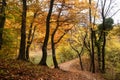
pixel 53 54
pixel 53 47
pixel 91 63
pixel 80 60
pixel 29 42
pixel 92 51
pixel 79 53
pixel 2 20
pixel 104 39
pixel 27 52
pixel 99 56
pixel 98 46
pixel 44 47
pixel 30 36
pixel 92 40
pixel 52 39
pixel 22 53
pixel 103 52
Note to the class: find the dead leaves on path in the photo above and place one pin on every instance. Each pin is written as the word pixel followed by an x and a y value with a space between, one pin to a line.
pixel 18 70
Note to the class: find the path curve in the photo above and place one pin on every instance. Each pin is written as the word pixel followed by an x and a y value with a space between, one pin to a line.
pixel 70 66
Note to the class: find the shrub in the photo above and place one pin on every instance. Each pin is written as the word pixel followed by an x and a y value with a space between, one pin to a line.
pixel 10 44
pixel 65 53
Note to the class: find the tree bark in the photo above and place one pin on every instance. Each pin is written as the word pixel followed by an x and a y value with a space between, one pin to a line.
pixel 27 51
pixel 99 56
pixel 80 61
pixel 53 48
pixel 22 52
pixel 92 51
pixel 52 39
pixel 2 21
pixel 104 38
pixel 54 55
pixel 92 40
pixel 44 47
pixel 103 53
pixel 79 53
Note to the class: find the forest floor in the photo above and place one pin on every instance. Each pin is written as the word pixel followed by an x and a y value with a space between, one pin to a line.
pixel 11 69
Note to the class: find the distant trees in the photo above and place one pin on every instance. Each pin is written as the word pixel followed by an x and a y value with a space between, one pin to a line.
pixel 97 33
pixel 98 36
pixel 104 28
pixel 77 40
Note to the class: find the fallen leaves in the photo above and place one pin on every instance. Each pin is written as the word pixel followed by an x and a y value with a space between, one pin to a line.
pixel 11 69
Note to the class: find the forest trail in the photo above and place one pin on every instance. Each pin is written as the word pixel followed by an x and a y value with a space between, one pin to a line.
pixel 73 66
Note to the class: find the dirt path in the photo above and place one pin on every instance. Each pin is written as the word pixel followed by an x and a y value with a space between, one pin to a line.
pixel 73 66
pixel 67 66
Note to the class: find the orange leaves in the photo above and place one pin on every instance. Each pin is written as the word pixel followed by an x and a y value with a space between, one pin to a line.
pixel 74 12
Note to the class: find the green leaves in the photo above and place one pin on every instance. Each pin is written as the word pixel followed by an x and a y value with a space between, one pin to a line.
pixel 65 53
pixel 108 24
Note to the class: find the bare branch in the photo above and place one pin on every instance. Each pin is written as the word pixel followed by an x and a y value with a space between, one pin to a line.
pixel 62 36
pixel 109 8
pixel 115 13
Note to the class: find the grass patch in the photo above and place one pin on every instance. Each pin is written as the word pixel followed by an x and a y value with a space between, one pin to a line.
pixel 36 59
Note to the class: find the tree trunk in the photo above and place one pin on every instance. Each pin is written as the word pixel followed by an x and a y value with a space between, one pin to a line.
pixel 91 64
pixel 52 39
pixel 80 60
pixel 103 52
pixel 2 21
pixel 53 47
pixel 44 47
pixel 92 51
pixel 98 46
pixel 53 54
pixel 104 40
pixel 29 42
pixel 92 40
pixel 22 52
pixel 27 52
pixel 99 56
pixel 30 36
